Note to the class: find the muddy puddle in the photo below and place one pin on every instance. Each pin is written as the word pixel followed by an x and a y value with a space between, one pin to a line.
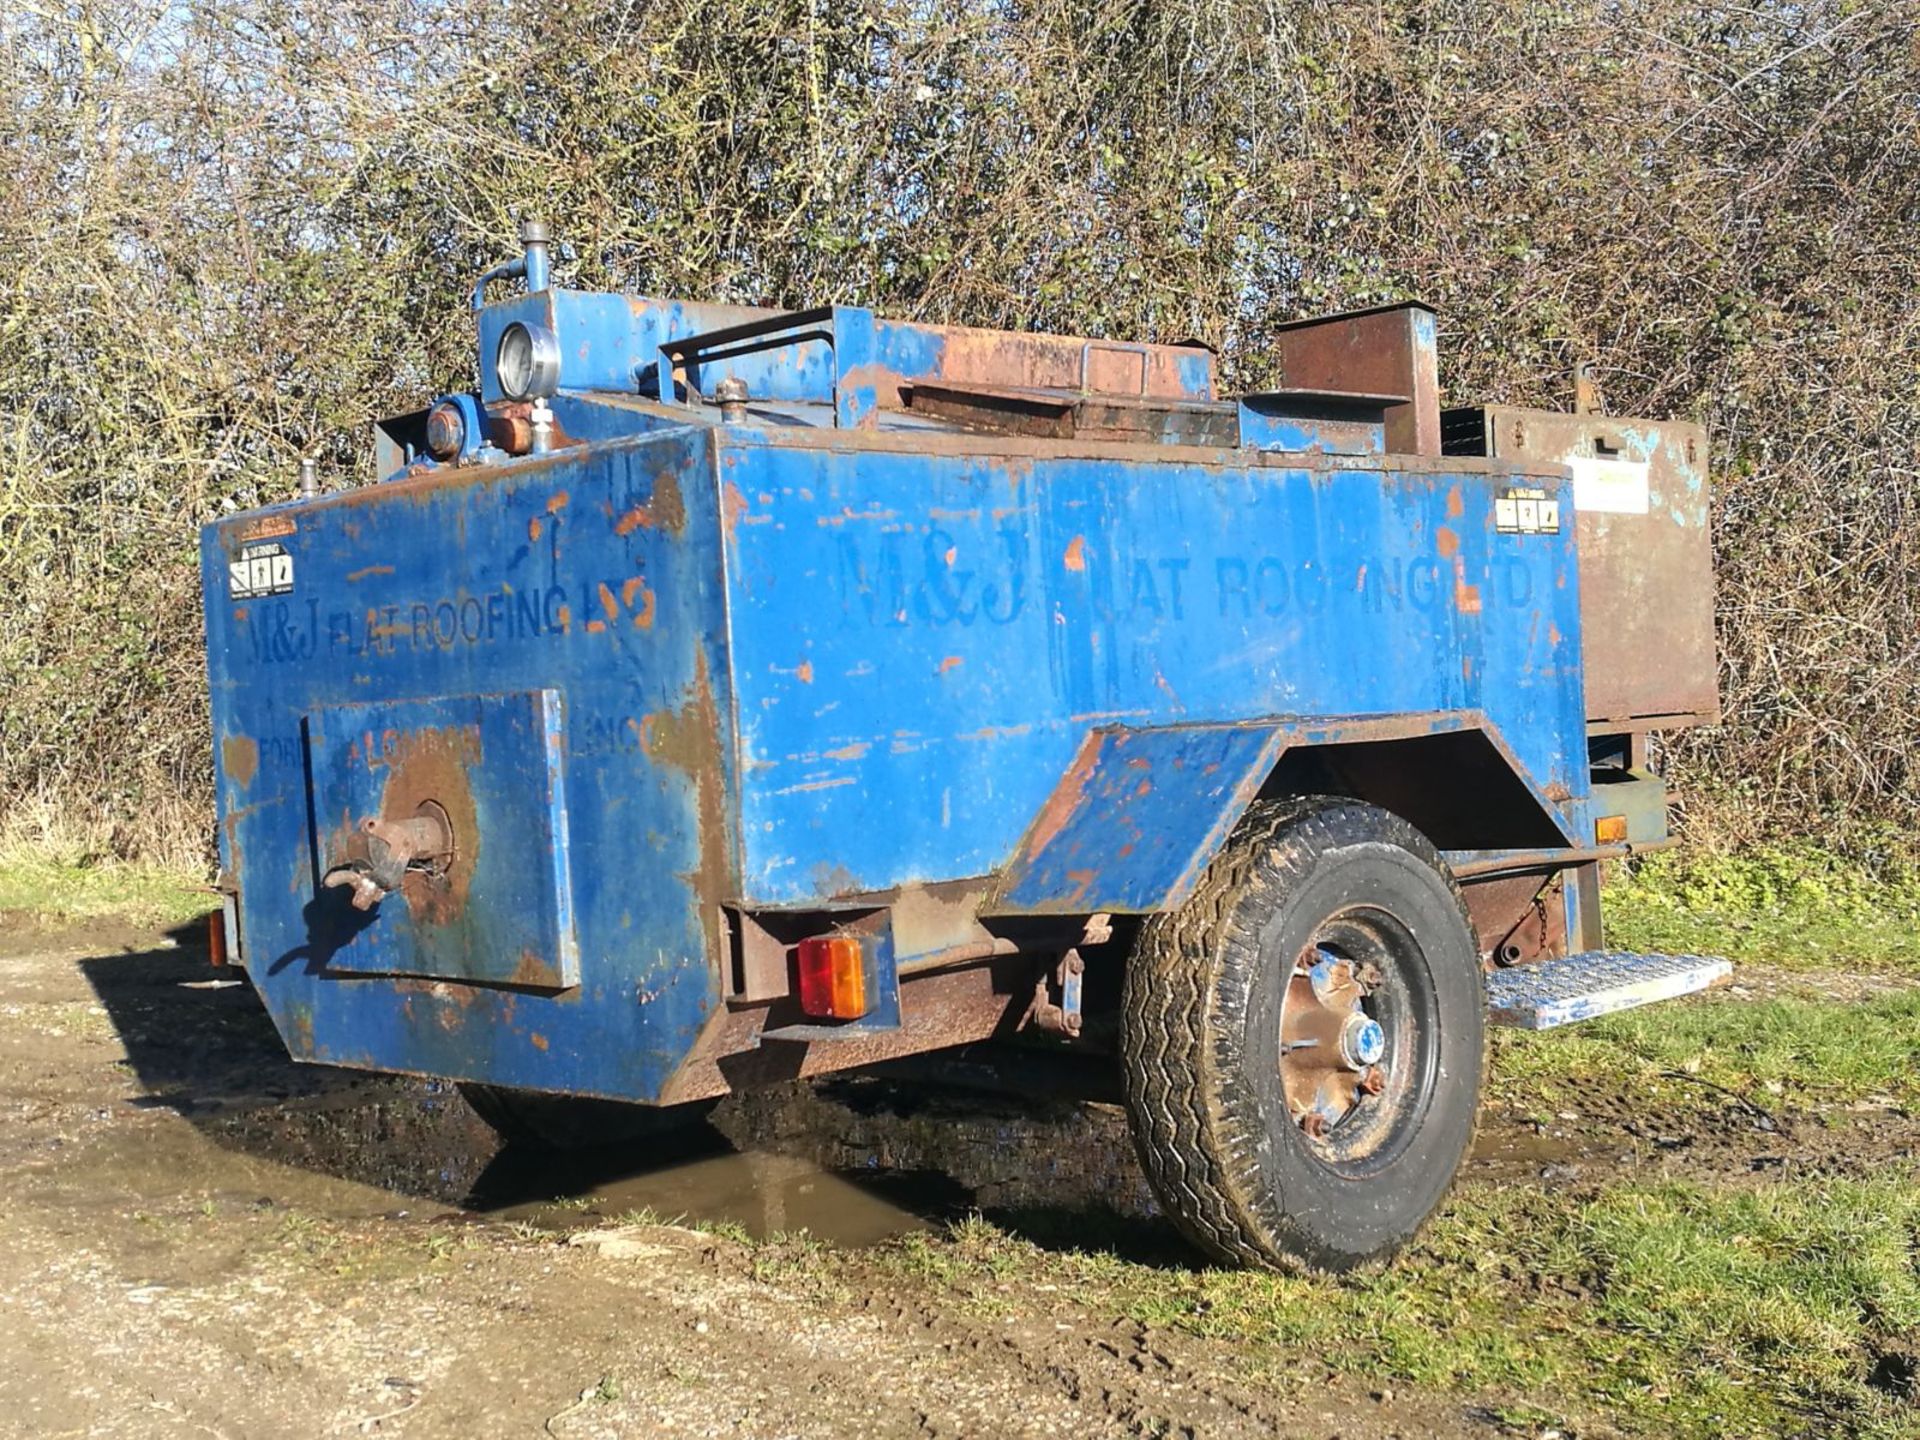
pixel 851 1162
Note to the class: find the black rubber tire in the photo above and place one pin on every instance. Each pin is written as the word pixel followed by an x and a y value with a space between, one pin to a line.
pixel 1200 1040
pixel 576 1122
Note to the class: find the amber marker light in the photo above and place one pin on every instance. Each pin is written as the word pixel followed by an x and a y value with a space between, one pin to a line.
pixel 833 977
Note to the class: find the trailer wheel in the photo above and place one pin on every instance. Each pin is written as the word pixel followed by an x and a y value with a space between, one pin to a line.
pixel 573 1122
pixel 1303 1041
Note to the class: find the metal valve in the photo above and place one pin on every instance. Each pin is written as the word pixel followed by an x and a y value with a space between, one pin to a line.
pixel 422 841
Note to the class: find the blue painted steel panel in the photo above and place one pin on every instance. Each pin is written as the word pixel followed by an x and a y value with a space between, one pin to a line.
pixel 503 911
pixel 1138 815
pixel 923 639
pixel 595 574
pixel 1278 422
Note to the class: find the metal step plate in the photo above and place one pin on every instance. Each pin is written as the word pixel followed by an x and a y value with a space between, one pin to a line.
pixel 1598 982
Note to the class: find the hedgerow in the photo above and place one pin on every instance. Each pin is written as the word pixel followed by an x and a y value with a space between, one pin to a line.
pixel 236 231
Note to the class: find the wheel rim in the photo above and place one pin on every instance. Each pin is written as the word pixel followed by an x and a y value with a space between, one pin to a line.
pixel 1356 1040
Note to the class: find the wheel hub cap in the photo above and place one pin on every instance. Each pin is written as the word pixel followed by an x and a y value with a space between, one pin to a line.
pixel 1362 1042
pixel 1331 1049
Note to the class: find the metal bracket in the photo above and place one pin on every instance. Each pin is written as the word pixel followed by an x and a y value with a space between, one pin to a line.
pixel 1064 1017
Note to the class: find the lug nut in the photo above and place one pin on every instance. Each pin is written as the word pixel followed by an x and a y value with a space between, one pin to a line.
pixel 1374 1081
pixel 1314 1123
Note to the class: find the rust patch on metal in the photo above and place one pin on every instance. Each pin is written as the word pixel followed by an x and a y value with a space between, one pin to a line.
pixel 358 575
pixel 666 511
pixel 532 971
pixel 733 505
pixel 1066 798
pixel 951 662
pixel 689 740
pixel 1466 596
pixel 240 758
pixel 1379 351
pixel 266 527
pixel 1510 923
pixel 668 506
pixel 537 1040
pixel 556 502
pixel 805 672
pixel 937 1010
pixel 1447 542
pixel 1076 557
pixel 1456 507
pixel 1023 360
pixel 635 589
pixel 533 530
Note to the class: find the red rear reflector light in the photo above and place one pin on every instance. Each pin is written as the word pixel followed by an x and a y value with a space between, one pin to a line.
pixel 833 977
pixel 217 938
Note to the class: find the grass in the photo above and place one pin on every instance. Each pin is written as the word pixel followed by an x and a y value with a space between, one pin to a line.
pixel 1798 906
pixel 1778 1053
pixel 1672 1309
pixel 55 886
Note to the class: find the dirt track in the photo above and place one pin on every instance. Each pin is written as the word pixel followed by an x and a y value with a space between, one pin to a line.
pixel 205 1240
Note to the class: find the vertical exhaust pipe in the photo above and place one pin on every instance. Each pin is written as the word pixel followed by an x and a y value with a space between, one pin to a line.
pixel 533 235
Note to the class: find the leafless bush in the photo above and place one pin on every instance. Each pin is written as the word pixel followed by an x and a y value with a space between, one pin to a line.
pixel 236 232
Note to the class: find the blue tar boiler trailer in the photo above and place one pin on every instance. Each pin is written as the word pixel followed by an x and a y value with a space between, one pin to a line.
pixel 719 696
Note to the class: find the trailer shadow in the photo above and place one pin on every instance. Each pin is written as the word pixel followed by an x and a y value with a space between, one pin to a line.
pixel 851 1160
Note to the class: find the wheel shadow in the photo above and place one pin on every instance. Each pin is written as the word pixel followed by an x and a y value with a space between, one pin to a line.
pixel 851 1160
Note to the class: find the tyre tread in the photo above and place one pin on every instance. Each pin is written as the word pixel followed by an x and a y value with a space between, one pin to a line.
pixel 1185 996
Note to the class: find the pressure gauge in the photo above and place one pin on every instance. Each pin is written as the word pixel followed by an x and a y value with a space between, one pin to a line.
pixel 527 363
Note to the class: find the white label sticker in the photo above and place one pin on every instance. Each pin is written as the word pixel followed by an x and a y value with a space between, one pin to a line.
pixel 1609 484
pixel 259 570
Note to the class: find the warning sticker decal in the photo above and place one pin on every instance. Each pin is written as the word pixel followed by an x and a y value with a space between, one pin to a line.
pixel 1526 511
pixel 259 570
pixel 265 527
